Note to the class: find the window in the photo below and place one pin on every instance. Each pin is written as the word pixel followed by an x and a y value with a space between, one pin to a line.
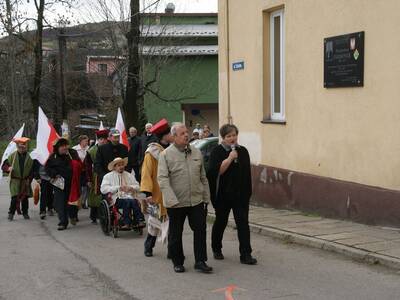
pixel 102 68
pixel 274 83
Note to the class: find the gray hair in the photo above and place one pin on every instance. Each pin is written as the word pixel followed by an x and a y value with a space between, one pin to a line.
pixel 132 128
pixel 175 126
pixel 148 125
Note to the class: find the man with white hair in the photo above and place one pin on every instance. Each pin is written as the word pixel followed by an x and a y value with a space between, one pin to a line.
pixel 146 139
pixel 186 193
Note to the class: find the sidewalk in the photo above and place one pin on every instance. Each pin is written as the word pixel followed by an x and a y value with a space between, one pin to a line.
pixel 370 244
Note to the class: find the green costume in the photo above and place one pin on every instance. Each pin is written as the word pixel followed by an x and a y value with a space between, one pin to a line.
pixel 20 183
pixel 94 193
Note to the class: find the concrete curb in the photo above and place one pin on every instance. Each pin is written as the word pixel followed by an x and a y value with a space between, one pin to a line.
pixel 296 238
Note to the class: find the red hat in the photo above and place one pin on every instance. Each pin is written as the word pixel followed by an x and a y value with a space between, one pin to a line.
pixel 102 133
pixel 161 127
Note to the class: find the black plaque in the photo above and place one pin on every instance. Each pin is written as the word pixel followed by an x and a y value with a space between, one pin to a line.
pixel 344 60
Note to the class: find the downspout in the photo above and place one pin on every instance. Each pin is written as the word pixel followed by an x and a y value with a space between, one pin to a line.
pixel 228 70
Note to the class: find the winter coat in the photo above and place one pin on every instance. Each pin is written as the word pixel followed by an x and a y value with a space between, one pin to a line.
pixel 182 177
pixel 234 187
pixel 106 154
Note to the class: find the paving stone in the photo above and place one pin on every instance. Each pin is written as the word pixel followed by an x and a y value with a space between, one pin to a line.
pixel 391 252
pixel 358 240
pixel 380 246
pixel 338 236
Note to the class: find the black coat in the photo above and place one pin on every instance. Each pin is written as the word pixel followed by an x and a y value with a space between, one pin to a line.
pixel 59 165
pixel 145 140
pixel 106 154
pixel 234 186
pixel 134 151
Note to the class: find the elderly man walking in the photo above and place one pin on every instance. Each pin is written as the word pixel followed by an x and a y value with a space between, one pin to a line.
pixel 186 193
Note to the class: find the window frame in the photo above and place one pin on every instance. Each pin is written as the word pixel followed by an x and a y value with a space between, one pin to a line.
pixel 99 68
pixel 274 115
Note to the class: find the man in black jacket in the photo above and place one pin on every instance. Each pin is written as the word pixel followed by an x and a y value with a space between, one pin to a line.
pixel 108 152
pixel 134 152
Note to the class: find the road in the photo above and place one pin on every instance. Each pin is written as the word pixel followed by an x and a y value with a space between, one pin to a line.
pixel 39 262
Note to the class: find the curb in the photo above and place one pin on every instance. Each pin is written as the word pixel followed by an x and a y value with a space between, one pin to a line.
pixel 356 254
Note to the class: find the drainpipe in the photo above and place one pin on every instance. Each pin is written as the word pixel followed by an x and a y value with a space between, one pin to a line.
pixel 228 69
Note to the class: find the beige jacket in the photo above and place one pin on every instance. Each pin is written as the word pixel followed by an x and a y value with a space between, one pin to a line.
pixel 182 178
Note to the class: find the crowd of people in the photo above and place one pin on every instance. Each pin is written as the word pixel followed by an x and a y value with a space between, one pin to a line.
pixel 162 166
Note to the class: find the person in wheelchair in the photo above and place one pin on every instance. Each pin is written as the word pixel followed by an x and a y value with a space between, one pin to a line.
pixel 122 187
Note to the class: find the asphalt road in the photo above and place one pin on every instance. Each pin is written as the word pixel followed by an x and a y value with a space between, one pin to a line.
pixel 38 262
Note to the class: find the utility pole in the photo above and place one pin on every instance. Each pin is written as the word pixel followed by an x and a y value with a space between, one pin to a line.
pixel 62 105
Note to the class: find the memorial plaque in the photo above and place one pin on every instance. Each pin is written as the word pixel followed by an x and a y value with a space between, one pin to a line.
pixel 344 60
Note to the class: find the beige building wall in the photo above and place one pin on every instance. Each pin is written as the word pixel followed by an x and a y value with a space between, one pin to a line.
pixel 351 134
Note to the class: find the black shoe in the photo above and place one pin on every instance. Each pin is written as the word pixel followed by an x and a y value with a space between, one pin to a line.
pixel 248 260
pixel 73 221
pixel 26 217
pixel 10 217
pixel 94 222
pixel 43 215
pixel 61 227
pixel 179 269
pixel 148 253
pixel 201 266
pixel 218 255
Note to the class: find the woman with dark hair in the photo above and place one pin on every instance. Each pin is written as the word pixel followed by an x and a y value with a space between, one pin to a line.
pixel 229 177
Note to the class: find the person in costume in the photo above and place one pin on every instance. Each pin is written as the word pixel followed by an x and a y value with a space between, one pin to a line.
pixel 93 178
pixel 123 187
pixel 149 184
pixel 46 190
pixel 82 149
pixel 19 166
pixel 108 152
pixel 64 167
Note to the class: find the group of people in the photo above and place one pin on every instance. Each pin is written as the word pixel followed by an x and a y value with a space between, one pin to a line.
pixel 162 165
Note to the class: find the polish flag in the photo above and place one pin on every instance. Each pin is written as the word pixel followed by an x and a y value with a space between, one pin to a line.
pixel 45 138
pixel 119 124
pixel 12 147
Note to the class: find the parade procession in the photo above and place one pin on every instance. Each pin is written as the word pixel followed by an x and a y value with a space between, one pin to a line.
pixel 171 185
pixel 199 150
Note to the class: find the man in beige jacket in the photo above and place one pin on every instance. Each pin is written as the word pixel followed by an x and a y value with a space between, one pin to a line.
pixel 185 191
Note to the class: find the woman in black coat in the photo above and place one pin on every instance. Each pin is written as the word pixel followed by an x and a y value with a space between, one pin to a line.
pixel 229 177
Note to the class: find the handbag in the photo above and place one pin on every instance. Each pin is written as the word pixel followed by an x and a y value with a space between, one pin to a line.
pixel 36 191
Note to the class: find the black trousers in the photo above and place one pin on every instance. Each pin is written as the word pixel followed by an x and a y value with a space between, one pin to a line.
pixel 63 209
pixel 241 215
pixel 93 213
pixel 197 222
pixel 46 195
pixel 24 205
pixel 137 172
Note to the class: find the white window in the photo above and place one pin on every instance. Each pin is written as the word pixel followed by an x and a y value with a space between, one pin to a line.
pixel 277 63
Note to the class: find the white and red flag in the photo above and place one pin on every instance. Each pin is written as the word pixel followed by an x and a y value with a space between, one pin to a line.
pixel 46 136
pixel 119 124
pixel 11 147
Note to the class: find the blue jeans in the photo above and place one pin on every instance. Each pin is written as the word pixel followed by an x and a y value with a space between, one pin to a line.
pixel 127 205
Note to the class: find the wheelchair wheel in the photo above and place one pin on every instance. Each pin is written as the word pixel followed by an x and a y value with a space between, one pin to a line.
pixel 104 216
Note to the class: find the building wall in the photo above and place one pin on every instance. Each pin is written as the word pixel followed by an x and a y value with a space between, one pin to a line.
pixel 344 134
pixel 182 79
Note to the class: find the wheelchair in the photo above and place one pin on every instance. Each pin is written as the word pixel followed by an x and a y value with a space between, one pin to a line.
pixel 111 220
